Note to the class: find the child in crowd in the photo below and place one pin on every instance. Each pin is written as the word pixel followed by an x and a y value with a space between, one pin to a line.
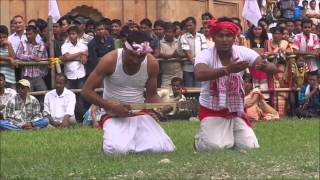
pixel 299 70
pixel 7 54
pixel 256 108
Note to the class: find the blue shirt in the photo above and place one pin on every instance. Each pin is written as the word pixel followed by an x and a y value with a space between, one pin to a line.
pixel 314 103
pixel 297 12
pixel 97 49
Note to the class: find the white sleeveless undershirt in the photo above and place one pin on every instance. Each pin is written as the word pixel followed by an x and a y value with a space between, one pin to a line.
pixel 123 87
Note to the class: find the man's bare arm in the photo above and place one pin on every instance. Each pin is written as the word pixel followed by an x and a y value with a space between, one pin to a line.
pixel 151 85
pixel 105 67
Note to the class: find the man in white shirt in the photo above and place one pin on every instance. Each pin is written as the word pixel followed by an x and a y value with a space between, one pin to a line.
pixel 75 55
pixel 191 43
pixel 20 34
pixel 221 111
pixel 59 104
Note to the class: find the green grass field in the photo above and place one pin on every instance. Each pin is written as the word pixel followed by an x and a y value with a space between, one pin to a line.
pixel 289 150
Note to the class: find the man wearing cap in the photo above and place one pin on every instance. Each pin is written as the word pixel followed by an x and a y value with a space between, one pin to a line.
pixel 84 38
pixel 125 73
pixel 221 112
pixel 23 111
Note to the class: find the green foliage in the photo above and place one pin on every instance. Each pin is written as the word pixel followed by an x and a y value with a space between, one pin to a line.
pixel 289 149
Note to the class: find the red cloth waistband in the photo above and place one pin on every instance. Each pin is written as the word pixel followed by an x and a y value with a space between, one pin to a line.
pixel 105 117
pixel 205 112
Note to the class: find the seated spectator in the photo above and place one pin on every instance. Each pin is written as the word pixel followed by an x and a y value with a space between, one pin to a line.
pixel 309 97
pixel 23 111
pixel 169 48
pixel 297 27
pixel 7 54
pixel 30 50
pixel 93 116
pixel 101 44
pixel 175 94
pixel 256 108
pixel 6 94
pixel 59 104
pixel 290 28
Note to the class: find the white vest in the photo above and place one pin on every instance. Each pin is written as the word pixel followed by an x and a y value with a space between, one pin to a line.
pixel 123 87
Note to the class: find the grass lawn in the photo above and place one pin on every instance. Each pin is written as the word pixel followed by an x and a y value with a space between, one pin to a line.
pixel 289 149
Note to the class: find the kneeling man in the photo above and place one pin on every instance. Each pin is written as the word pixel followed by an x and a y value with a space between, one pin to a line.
pixel 125 73
pixel 220 69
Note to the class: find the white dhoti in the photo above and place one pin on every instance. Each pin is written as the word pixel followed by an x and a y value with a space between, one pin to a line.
pixel 134 135
pixel 218 133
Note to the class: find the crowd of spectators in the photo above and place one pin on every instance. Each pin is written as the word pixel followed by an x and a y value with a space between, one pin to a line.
pixel 80 43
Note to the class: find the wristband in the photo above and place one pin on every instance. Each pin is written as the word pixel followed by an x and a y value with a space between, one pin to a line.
pixel 226 72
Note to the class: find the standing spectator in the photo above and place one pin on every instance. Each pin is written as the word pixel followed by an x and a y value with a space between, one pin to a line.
pixel 313 13
pixel 20 34
pixel 23 111
pixel 83 37
pixel 65 23
pixel 7 54
pixel 287 8
pixel 146 27
pixel 30 50
pixel 278 48
pixel 307 43
pixel 299 71
pixel 169 47
pixel 298 10
pixel 205 17
pixel 100 45
pixel 258 37
pixel 6 94
pixel 12 27
pixel 192 43
pixel 209 39
pixel 75 55
pixel 158 27
pixel 115 33
pixel 178 31
pixel 90 25
pixel 59 104
pixel 309 97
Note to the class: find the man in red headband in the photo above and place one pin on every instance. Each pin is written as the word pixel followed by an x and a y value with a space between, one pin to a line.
pixel 125 73
pixel 223 124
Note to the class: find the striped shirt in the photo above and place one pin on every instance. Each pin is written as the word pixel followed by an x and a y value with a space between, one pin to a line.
pixel 26 51
pixel 8 71
pixel 20 112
